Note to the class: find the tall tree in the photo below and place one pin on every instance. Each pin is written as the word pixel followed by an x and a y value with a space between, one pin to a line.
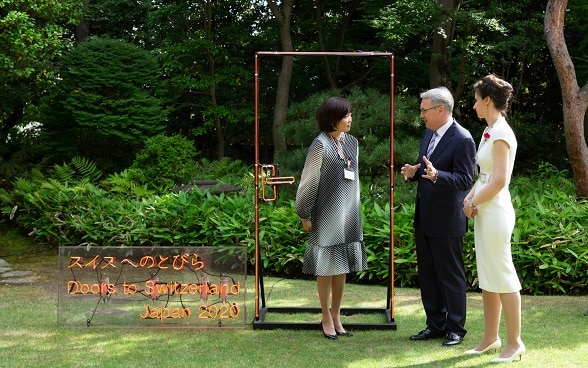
pixel 201 46
pixel 283 17
pixel 33 34
pixel 345 24
pixel 575 99
pixel 439 67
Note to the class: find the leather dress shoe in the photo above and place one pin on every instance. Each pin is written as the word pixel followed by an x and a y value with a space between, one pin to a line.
pixel 452 339
pixel 426 334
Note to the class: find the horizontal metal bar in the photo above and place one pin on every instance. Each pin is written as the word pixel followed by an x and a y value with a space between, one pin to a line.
pixel 275 180
pixel 326 53
pixel 261 324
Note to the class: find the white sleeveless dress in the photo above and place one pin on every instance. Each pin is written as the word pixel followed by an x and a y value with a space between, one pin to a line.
pixel 495 221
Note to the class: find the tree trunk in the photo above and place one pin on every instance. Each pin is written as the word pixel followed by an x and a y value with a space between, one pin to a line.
pixel 575 99
pixel 319 29
pixel 283 91
pixel 439 67
pixel 218 126
pixel 82 30
pixel 345 25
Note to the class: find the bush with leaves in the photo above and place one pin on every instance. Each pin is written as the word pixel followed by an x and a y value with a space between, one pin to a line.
pixel 107 101
pixel 226 169
pixel 550 245
pixel 70 208
pixel 165 162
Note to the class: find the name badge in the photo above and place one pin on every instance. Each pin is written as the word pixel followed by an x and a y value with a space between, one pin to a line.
pixel 349 174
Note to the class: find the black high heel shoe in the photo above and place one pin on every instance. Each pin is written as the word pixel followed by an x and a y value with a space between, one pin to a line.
pixel 327 336
pixel 346 334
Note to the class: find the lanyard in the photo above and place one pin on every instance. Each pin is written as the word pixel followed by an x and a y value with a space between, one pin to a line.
pixel 339 148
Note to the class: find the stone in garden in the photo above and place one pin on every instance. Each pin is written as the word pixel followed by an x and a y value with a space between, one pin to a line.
pixel 17 274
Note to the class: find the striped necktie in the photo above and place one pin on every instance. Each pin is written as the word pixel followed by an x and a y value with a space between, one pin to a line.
pixel 432 144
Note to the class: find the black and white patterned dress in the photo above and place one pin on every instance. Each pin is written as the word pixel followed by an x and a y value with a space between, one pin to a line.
pixel 331 202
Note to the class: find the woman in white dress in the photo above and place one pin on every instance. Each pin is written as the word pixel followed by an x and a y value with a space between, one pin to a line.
pixel 489 205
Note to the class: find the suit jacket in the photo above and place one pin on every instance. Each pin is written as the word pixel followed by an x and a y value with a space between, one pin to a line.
pixel 439 205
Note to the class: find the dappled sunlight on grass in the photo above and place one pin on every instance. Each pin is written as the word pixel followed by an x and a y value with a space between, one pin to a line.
pixel 554 331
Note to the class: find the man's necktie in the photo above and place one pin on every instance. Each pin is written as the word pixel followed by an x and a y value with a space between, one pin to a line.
pixel 431 145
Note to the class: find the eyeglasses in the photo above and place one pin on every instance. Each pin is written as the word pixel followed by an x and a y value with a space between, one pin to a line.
pixel 430 108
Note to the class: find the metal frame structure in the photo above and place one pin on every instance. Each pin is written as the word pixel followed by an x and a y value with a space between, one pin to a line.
pixel 267 175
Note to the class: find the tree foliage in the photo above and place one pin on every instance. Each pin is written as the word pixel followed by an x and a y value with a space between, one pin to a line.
pixel 205 52
pixel 142 59
pixel 31 41
pixel 202 48
pixel 108 102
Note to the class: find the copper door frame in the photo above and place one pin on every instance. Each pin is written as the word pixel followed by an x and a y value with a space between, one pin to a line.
pixel 273 180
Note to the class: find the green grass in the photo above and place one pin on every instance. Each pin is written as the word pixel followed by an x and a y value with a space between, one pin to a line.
pixel 554 330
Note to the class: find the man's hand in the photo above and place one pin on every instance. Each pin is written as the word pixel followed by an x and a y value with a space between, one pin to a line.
pixel 430 171
pixel 408 171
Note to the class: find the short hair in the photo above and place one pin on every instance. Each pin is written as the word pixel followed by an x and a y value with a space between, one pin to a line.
pixel 440 96
pixel 331 111
pixel 499 91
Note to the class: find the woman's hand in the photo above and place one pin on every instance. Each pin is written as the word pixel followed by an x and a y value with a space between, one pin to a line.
pixel 469 209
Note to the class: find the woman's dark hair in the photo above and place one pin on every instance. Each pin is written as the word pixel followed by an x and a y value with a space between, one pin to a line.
pixel 331 111
pixel 499 91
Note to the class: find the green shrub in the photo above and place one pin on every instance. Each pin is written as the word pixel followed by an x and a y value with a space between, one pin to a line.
pixel 550 247
pixel 549 242
pixel 165 162
pixel 226 169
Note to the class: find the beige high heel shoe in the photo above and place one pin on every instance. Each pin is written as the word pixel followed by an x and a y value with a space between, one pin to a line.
pixel 518 353
pixel 495 345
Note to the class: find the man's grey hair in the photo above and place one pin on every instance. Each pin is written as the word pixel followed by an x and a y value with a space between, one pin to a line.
pixel 440 96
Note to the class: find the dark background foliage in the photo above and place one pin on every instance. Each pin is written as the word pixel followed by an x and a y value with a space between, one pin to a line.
pixel 107 105
pixel 129 70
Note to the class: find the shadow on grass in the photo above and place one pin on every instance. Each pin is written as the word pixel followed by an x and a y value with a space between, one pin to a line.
pixel 554 331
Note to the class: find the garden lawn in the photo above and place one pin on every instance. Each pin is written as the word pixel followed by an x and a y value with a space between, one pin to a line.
pixel 554 331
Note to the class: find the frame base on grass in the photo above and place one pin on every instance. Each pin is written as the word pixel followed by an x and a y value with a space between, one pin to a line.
pixel 262 324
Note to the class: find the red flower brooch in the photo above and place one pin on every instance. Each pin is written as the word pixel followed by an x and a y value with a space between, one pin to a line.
pixel 486 136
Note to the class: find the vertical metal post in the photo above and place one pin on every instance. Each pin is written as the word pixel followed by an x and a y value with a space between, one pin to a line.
pixel 256 179
pixel 390 304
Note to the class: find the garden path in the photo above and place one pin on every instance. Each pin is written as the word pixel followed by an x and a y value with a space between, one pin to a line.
pixel 10 276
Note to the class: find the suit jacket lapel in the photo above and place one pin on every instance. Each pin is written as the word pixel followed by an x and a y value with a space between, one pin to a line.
pixel 444 141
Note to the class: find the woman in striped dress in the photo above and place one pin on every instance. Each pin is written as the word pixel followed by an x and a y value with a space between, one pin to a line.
pixel 328 203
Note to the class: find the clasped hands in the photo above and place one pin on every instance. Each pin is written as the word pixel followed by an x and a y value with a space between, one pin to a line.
pixel 408 171
pixel 468 210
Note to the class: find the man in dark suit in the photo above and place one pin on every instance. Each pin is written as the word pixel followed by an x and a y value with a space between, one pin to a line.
pixel 444 172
